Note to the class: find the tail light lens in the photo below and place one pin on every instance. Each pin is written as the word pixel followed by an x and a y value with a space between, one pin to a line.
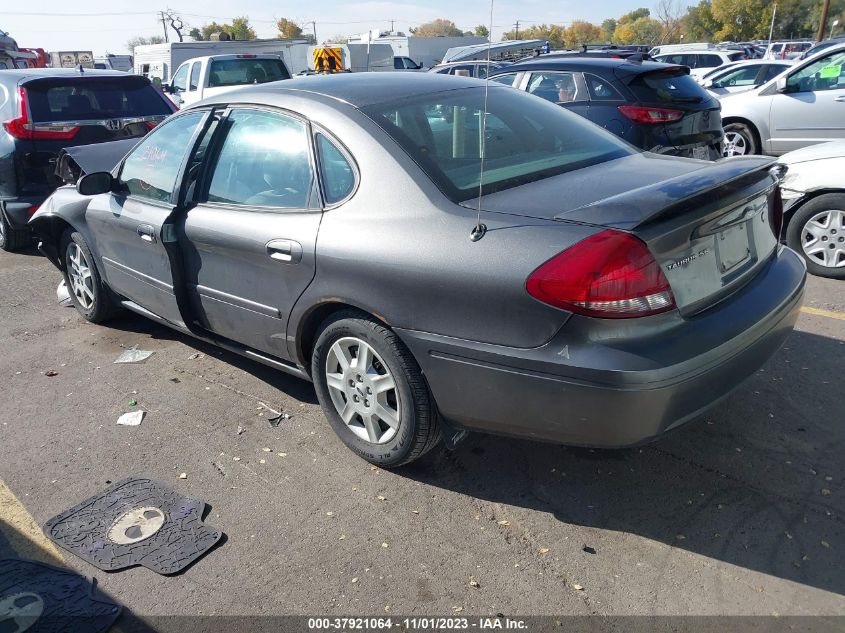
pixel 611 275
pixel 31 211
pixel 151 124
pixel 643 114
pixel 776 212
pixel 21 127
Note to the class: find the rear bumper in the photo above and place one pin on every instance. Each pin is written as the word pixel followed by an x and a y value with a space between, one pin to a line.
pixel 18 210
pixel 590 387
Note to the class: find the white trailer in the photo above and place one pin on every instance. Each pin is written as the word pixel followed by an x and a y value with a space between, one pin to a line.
pixel 159 61
pixel 428 51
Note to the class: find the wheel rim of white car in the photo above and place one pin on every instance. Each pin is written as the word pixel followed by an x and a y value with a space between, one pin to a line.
pixel 823 238
pixel 363 390
pixel 79 275
pixel 735 144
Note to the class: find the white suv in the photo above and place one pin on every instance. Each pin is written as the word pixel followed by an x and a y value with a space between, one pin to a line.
pixel 701 62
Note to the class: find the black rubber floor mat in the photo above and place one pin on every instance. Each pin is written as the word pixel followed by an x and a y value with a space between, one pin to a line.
pixel 135 522
pixel 39 598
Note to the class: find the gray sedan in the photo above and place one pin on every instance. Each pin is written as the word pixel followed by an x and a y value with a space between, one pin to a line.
pixel 328 227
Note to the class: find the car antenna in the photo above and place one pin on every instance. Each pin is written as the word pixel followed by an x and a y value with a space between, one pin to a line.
pixel 480 229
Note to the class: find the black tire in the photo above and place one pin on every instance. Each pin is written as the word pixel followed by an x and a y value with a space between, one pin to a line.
pixel 418 429
pixel 835 235
pixel 102 306
pixel 12 239
pixel 747 137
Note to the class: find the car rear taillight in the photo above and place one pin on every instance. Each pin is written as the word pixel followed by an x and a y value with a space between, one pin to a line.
pixel 643 114
pixel 151 124
pixel 776 212
pixel 31 211
pixel 21 127
pixel 611 274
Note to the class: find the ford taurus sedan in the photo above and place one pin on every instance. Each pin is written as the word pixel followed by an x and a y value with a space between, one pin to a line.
pixel 330 228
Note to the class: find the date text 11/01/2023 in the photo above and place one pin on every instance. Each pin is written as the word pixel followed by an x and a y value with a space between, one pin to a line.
pixel 416 624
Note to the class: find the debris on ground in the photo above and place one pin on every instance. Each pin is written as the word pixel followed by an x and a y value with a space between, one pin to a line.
pixel 175 380
pixel 194 356
pixel 588 549
pixel 825 492
pixel 381 498
pixel 543 550
pixel 504 522
pixel 578 587
pixel 240 429
pixel 50 373
pixel 63 295
pixel 133 418
pixel 133 355
pixel 473 582
pixel 183 475
pixel 133 403
pixel 282 454
pixel 267 450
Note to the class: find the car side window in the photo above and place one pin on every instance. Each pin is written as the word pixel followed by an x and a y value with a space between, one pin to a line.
pixel 506 79
pixel 745 76
pixel 195 75
pixel 600 90
pixel 264 161
pixel 180 79
pixel 151 168
pixel 773 71
pixel 826 73
pixel 554 87
pixel 337 174
pixel 709 61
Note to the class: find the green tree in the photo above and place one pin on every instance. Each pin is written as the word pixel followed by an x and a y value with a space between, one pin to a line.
pixel 481 31
pixel 288 29
pixel 607 29
pixel 554 33
pixel 142 41
pixel 741 19
pixel 634 15
pixel 239 29
pixel 699 25
pixel 436 28
pixel 195 34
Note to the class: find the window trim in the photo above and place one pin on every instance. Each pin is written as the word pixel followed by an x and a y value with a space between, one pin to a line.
pixel 187 67
pixel 314 202
pixel 317 130
pixel 612 87
pixel 179 182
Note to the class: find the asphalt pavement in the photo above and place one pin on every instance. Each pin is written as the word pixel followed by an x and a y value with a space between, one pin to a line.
pixel 741 513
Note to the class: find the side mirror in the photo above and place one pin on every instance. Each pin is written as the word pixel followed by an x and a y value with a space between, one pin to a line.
pixel 95 183
pixel 708 83
pixel 783 85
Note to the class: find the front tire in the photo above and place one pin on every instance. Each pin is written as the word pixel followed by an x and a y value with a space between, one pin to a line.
pixel 817 233
pixel 89 294
pixel 372 391
pixel 740 140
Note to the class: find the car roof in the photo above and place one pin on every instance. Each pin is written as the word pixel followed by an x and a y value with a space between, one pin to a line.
pixel 576 63
pixel 24 74
pixel 234 56
pixel 357 89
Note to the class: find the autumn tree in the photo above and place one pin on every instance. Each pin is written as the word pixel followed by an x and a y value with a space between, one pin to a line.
pixel 554 33
pixel 581 32
pixel 643 30
pixel 607 29
pixel 288 29
pixel 740 19
pixel 436 28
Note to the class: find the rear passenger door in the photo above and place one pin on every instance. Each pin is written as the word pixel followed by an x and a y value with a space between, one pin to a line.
pixel 249 237
pixel 605 100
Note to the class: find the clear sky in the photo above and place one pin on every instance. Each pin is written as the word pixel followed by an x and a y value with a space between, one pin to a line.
pixel 106 25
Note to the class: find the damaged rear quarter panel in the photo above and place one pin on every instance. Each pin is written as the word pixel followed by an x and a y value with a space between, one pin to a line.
pixel 65 208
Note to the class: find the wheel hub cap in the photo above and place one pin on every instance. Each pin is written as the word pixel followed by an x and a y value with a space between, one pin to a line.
pixel 362 390
pixel 823 238
pixel 79 276
pixel 735 144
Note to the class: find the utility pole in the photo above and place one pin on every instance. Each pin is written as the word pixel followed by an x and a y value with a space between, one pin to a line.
pixel 164 25
pixel 391 25
pixel 772 27
pixel 516 34
pixel 314 27
pixel 823 22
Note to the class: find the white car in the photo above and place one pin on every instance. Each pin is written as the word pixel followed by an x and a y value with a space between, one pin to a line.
pixel 742 76
pixel 813 190
pixel 801 106
pixel 702 62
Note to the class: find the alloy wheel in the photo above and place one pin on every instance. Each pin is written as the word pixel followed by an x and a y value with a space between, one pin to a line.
pixel 735 144
pixel 823 238
pixel 363 391
pixel 79 275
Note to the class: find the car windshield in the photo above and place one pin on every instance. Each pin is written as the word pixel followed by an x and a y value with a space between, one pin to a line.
pixel 672 85
pixel 527 139
pixel 236 72
pixel 93 98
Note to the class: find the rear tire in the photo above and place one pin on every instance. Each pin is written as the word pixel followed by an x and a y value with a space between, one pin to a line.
pixel 740 140
pixel 90 296
pixel 372 391
pixel 817 233
pixel 12 239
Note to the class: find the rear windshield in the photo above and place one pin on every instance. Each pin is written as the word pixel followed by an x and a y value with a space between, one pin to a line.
pixel 527 139
pixel 669 86
pixel 236 72
pixel 93 98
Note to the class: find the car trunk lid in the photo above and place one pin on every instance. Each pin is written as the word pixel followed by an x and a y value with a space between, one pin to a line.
pixel 709 226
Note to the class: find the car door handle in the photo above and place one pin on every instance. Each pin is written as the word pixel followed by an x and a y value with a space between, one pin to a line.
pixel 286 251
pixel 840 99
pixel 146 233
